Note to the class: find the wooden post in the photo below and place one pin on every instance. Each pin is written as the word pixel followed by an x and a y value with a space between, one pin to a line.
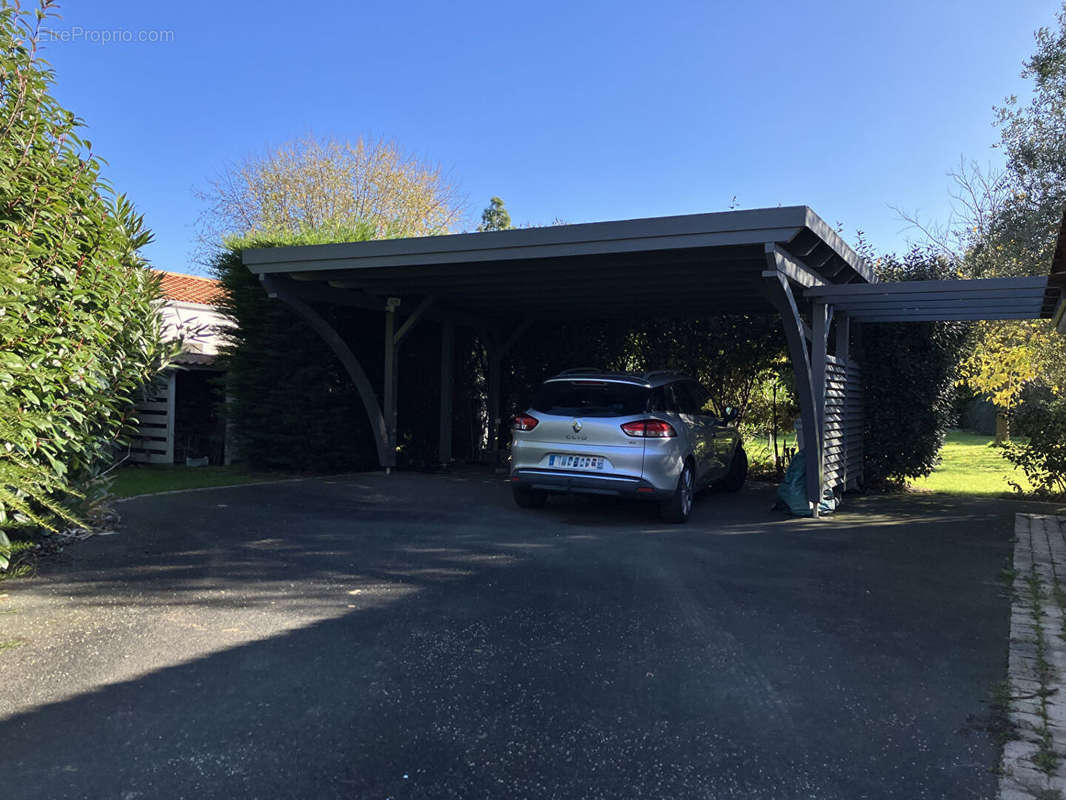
pixel 172 395
pixel 390 385
pixel 447 359
pixel 819 345
pixel 780 294
pixel 843 338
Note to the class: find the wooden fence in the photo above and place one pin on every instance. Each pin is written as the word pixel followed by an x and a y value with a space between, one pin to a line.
pixel 842 431
pixel 154 441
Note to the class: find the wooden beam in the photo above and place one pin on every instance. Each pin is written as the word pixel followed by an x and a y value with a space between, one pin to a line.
pixel 319 293
pixel 1028 298
pixel 412 320
pixel 835 292
pixel 820 314
pixel 789 266
pixel 779 292
pixel 279 289
pixel 516 334
pixel 942 316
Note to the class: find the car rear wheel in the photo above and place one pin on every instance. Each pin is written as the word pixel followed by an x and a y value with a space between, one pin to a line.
pixel 525 497
pixel 679 506
pixel 738 472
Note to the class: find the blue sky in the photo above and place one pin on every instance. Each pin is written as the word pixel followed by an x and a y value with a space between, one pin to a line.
pixel 577 111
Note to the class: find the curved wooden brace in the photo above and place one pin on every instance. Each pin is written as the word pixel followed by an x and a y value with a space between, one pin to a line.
pixel 780 294
pixel 276 288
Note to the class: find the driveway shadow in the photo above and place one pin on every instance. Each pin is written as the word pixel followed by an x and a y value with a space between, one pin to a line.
pixel 418 637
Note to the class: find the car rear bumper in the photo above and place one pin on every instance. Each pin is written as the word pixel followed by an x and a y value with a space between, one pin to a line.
pixel 585 483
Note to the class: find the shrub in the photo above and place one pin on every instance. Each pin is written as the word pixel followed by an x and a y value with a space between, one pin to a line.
pixel 1043 457
pixel 79 333
pixel 291 403
pixel 909 372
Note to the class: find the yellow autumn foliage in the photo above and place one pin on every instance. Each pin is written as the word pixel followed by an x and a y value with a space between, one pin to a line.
pixel 1007 356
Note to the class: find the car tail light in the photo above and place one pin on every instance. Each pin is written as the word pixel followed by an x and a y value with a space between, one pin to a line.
pixel 649 429
pixel 524 422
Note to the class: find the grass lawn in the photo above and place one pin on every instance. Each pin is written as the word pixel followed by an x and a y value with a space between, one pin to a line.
pixel 971 465
pixel 146 479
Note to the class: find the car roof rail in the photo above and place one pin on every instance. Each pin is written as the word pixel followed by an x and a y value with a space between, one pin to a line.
pixel 581 370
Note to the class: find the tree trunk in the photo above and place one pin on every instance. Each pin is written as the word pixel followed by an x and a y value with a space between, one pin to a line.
pixel 1002 428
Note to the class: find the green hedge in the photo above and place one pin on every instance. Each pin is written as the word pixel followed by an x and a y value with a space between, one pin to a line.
pixel 291 403
pixel 909 371
pixel 78 330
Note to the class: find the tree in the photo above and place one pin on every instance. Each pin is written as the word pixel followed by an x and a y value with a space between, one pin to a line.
pixel 1034 139
pixel 1004 223
pixel 495 217
pixel 1019 237
pixel 293 406
pixel 1005 359
pixel 316 184
pixel 79 329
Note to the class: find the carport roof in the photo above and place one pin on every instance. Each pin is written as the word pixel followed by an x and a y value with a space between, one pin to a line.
pixel 986 298
pixel 697 264
pixel 924 301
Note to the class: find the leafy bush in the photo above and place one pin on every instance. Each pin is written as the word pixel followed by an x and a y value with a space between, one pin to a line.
pixel 292 405
pixel 909 371
pixel 1043 457
pixel 731 354
pixel 78 330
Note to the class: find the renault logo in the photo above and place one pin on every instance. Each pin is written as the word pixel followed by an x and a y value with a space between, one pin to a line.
pixel 577 425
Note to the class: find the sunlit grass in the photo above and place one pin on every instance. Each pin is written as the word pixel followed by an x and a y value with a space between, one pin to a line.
pixel 151 478
pixel 971 465
pixel 759 448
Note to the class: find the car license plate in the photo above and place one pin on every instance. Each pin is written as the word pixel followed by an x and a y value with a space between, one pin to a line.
pixel 575 462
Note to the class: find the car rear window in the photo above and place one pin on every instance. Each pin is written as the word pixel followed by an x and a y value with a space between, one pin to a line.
pixel 590 398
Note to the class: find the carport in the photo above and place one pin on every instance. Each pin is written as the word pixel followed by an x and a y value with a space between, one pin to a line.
pixel 786 260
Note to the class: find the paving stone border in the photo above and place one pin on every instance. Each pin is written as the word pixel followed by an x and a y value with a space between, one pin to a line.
pixel 1034 757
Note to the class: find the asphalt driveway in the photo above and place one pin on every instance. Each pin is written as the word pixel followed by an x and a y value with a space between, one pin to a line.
pixel 419 637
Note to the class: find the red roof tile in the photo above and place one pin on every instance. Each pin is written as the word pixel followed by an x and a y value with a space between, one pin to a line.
pixel 188 288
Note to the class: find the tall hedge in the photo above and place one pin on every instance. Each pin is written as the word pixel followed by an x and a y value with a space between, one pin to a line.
pixel 909 374
pixel 79 333
pixel 292 405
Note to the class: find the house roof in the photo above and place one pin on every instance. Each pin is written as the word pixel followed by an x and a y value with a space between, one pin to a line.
pixel 195 359
pixel 189 288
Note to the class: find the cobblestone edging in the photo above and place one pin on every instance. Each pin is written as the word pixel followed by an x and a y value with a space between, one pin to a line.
pixel 1034 758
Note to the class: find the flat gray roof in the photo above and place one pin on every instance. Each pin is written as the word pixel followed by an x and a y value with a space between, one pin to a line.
pixel 921 301
pixel 691 264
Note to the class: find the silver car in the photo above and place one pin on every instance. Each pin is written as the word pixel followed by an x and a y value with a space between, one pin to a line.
pixel 656 436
